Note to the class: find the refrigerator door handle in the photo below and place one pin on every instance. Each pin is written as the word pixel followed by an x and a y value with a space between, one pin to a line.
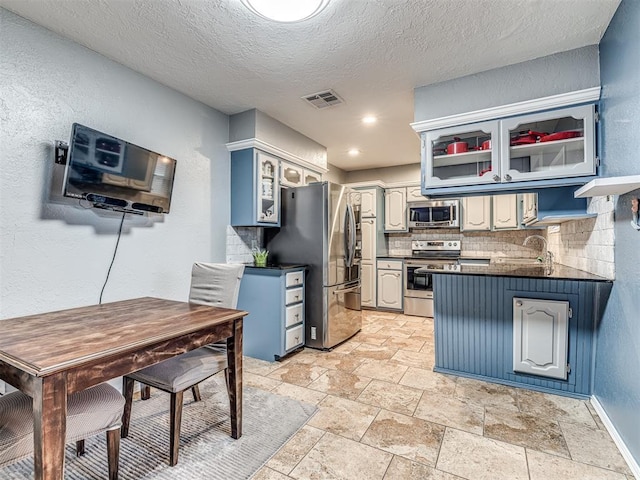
pixel 346 290
pixel 350 239
pixel 347 238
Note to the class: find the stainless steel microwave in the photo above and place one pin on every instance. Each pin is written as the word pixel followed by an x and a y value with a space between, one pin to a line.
pixel 435 214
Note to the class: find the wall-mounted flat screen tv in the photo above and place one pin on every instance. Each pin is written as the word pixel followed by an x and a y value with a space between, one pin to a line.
pixel 117 175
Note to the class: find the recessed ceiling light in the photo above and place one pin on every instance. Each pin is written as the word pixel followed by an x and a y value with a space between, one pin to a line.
pixel 286 11
pixel 354 152
pixel 369 119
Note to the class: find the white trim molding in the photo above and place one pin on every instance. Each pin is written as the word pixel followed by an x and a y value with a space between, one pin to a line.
pixel 626 454
pixel 278 152
pixel 519 108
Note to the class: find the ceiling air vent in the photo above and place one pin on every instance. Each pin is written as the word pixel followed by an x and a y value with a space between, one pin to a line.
pixel 324 99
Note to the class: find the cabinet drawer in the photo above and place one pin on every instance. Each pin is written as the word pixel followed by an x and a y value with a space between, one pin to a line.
pixel 294 314
pixel 294 295
pixel 294 337
pixel 294 278
pixel 390 264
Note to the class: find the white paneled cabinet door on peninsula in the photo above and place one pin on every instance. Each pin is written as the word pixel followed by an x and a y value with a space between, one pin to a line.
pixel 540 337
pixel 395 209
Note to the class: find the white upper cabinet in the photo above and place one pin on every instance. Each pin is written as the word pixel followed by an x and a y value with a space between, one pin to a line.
pixel 369 201
pixel 368 228
pixel 476 213
pixel 505 212
pixel 414 194
pixel 461 155
pixel 559 143
pixel 395 209
pixel 551 145
pixel 310 177
pixel 268 198
pixel 291 175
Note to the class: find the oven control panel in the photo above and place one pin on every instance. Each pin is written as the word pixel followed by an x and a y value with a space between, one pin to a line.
pixel 435 245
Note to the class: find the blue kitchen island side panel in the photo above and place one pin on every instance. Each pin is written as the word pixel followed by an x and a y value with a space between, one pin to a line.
pixel 261 296
pixel 474 328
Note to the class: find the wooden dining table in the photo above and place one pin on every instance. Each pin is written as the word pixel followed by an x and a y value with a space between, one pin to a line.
pixel 51 355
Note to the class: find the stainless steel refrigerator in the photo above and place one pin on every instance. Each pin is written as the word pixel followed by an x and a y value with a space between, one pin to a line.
pixel 320 228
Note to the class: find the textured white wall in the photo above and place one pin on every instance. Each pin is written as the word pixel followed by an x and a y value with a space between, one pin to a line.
pixel 400 173
pixel 55 255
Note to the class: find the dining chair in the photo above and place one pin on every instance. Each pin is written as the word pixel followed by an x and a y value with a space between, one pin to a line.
pixel 213 284
pixel 89 412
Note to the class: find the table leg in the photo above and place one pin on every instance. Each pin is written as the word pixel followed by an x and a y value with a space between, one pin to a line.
pixel 234 366
pixel 50 427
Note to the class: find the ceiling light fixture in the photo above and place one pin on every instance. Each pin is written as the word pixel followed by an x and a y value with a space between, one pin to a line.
pixel 286 11
pixel 354 152
pixel 369 119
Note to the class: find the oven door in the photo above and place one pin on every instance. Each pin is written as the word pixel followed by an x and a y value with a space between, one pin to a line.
pixel 418 281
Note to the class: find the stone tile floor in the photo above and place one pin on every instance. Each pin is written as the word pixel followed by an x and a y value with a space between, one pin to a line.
pixel 384 414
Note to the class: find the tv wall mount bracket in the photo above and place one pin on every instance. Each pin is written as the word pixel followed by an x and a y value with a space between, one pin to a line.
pixel 60 152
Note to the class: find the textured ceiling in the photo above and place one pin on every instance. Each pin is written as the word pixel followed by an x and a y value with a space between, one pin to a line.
pixel 373 53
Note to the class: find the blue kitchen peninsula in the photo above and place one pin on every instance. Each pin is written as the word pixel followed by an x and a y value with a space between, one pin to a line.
pixel 519 325
pixel 274 297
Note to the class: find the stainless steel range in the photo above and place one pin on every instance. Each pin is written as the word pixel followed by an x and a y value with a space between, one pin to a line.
pixel 428 256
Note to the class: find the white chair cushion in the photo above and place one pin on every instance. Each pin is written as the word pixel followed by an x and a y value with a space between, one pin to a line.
pixel 89 413
pixel 182 372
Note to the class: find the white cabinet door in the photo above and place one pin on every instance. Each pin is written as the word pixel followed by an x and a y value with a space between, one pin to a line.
pixel 310 176
pixel 476 213
pixel 390 289
pixel 291 175
pixel 462 155
pixel 505 212
pixel 414 194
pixel 553 144
pixel 368 228
pixel 368 285
pixel 268 185
pixel 529 207
pixel 540 337
pixel 395 209
pixel 368 203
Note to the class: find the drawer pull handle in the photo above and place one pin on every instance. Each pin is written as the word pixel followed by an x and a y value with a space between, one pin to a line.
pixel 297 297
pixel 297 316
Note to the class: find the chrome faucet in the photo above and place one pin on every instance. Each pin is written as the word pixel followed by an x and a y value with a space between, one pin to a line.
pixel 548 256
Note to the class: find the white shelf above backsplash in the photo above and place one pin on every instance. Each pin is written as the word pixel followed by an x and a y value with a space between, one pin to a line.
pixel 609 186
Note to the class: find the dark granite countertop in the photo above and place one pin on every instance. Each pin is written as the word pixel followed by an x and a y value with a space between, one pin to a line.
pixel 279 266
pixel 558 272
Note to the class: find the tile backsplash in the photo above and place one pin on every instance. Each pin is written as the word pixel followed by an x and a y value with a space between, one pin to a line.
pixel 473 244
pixel 240 241
pixel 588 244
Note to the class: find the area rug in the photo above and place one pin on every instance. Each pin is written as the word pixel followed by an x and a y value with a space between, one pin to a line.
pixel 206 449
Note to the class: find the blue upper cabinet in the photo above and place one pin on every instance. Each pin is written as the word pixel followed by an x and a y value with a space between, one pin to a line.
pixel 255 189
pixel 550 148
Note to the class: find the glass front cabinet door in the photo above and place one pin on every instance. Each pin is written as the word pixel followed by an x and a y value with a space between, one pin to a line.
pixel 267 188
pixel 291 175
pixel 461 155
pixel 554 144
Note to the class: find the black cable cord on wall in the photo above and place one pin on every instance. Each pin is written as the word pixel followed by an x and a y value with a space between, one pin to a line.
pixel 113 258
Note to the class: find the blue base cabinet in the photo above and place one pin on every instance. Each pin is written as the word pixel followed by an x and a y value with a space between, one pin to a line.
pixel 474 328
pixel 274 298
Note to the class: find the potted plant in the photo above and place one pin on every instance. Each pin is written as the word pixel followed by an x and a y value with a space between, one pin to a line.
pixel 260 257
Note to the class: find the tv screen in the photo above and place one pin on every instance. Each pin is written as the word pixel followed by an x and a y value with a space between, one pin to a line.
pixel 115 174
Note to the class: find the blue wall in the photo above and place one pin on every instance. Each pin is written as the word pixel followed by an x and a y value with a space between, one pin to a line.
pixel 617 368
